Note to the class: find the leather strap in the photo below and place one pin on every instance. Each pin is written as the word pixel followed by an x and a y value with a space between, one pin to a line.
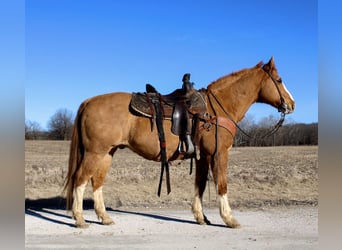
pixel 163 160
pixel 220 121
pixel 227 124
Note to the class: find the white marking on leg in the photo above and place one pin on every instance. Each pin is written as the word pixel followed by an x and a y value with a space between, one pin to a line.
pixel 225 210
pixel 197 205
pixel 197 210
pixel 98 202
pixel 77 206
pixel 100 208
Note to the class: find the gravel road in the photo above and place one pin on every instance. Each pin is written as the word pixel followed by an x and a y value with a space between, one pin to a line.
pixel 273 228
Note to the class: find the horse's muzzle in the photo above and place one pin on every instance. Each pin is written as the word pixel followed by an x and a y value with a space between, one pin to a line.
pixel 285 108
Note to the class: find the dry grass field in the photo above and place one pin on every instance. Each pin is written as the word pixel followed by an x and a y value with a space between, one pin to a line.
pixel 258 177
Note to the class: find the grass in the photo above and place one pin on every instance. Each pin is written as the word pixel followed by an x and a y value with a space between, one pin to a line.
pixel 257 177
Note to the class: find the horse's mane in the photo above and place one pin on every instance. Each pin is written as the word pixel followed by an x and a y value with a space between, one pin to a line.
pixel 232 77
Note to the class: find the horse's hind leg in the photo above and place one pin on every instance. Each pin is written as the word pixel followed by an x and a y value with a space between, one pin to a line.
pixel 97 183
pixel 89 168
pixel 202 168
pixel 77 205
pixel 83 174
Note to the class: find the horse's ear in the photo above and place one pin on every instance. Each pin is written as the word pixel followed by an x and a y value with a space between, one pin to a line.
pixel 270 65
pixel 271 61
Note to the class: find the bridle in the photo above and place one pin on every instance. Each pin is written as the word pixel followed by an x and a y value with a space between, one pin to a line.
pixel 281 108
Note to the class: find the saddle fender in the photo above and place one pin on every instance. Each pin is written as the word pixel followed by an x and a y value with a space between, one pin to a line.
pixel 180 119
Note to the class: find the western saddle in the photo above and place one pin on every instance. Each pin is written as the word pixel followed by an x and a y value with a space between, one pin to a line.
pixel 180 106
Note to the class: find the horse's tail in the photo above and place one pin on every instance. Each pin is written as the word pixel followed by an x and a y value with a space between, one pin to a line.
pixel 75 157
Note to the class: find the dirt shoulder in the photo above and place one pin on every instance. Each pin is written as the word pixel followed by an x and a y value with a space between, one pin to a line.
pixel 275 228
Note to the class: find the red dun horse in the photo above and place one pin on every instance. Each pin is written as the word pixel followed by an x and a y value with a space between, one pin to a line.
pixel 105 123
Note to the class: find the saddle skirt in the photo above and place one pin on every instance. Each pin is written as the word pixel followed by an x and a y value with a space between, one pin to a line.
pixel 142 103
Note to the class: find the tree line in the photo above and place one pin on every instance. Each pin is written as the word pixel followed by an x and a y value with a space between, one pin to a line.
pixel 61 123
pixel 59 127
pixel 290 133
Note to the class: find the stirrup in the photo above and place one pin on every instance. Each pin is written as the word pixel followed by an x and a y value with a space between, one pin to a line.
pixel 190 148
pixel 188 145
pixel 180 147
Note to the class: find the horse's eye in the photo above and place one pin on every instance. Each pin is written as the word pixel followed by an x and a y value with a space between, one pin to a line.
pixel 280 80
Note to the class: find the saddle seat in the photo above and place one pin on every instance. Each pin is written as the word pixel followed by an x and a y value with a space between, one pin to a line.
pixel 142 102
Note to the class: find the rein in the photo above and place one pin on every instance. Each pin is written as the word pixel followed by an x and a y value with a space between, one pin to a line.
pixel 281 108
pixel 269 133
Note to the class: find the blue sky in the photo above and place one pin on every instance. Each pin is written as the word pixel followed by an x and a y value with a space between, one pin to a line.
pixel 78 49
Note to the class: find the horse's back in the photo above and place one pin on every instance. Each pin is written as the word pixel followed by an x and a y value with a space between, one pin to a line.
pixel 110 100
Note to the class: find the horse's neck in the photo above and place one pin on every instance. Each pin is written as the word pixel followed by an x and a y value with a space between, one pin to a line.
pixel 238 96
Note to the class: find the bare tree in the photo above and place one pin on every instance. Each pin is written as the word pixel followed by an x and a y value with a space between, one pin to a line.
pixel 247 124
pixel 60 125
pixel 268 122
pixel 33 130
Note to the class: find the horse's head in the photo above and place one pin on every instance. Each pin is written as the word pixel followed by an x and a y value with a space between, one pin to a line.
pixel 273 90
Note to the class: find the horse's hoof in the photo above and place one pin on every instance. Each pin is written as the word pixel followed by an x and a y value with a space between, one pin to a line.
pixel 203 221
pixel 233 223
pixel 82 225
pixel 108 221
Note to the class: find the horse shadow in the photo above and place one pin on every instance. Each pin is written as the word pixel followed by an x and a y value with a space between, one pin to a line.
pixel 41 208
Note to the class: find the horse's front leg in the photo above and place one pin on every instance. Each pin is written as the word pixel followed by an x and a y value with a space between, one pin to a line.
pixel 202 168
pixel 219 167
